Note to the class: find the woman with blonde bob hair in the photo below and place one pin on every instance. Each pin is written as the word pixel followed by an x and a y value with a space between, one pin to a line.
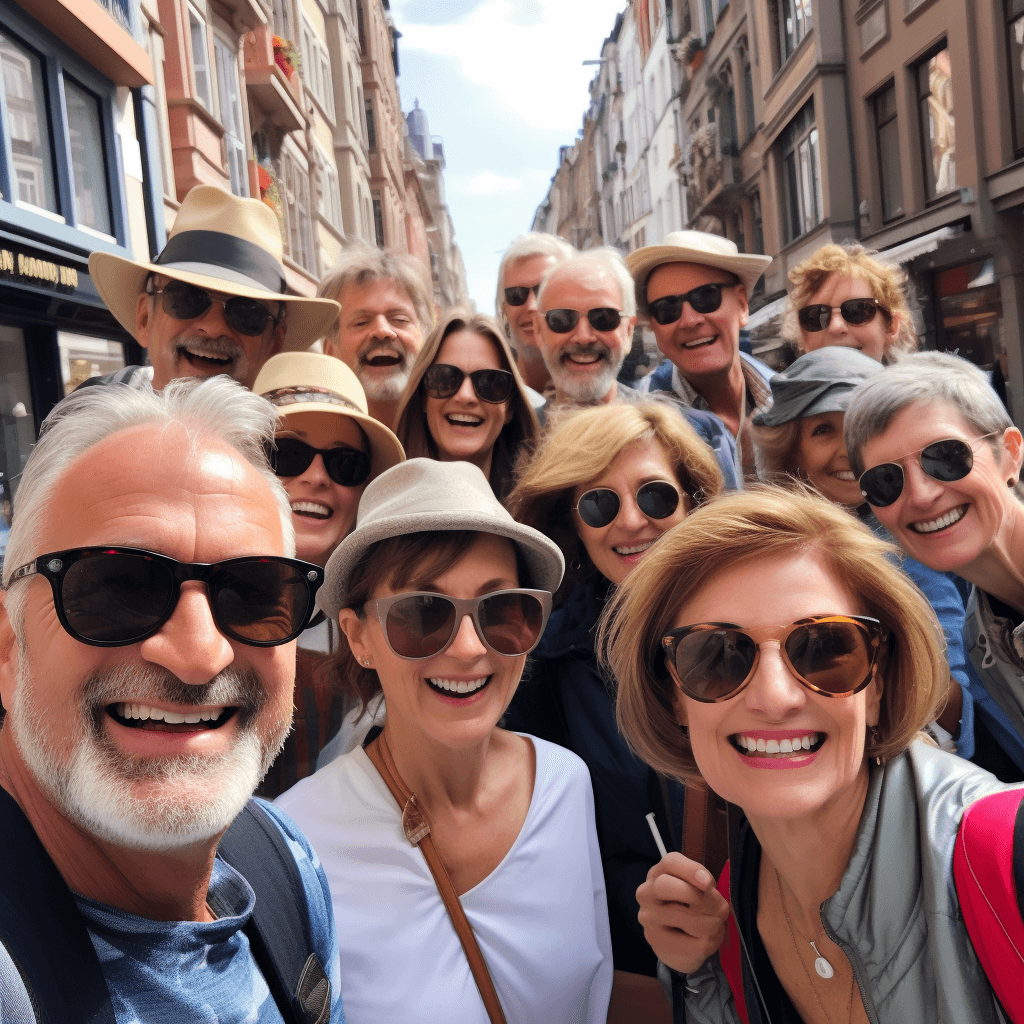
pixel 607 486
pixel 465 400
pixel 771 648
pixel 844 295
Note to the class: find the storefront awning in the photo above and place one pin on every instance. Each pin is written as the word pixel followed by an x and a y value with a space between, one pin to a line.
pixel 907 251
pixel 767 312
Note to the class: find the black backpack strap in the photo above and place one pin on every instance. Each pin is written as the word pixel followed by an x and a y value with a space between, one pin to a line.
pixel 43 931
pixel 1018 857
pixel 278 930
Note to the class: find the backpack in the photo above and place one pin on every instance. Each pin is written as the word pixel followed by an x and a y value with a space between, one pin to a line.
pixel 47 938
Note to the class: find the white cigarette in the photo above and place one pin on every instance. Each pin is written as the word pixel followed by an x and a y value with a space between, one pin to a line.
pixel 657 835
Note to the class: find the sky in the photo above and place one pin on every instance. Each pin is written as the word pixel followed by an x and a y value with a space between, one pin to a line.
pixel 503 84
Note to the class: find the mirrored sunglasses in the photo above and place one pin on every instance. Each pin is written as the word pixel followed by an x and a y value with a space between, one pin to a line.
pixel 704 299
pixel 288 456
pixel 518 295
pixel 855 312
pixel 443 380
pixel 187 302
pixel 599 507
pixel 834 655
pixel 601 318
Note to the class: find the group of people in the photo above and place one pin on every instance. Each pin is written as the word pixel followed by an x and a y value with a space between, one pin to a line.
pixel 526 658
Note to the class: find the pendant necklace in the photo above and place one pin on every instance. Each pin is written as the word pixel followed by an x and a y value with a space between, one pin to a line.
pixel 822 967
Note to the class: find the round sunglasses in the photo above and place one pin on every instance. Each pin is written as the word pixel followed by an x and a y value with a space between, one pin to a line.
pixel 116 596
pixel 517 295
pixel 855 312
pixel 704 299
pixel 422 624
pixel 601 318
pixel 834 655
pixel 945 461
pixel 289 456
pixel 187 302
pixel 443 380
pixel 599 507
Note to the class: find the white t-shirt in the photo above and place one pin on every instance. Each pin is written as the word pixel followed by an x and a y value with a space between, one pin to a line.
pixel 540 917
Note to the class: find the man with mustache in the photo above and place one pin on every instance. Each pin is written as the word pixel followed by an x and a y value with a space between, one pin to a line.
pixel 214 300
pixel 147 660
pixel 387 307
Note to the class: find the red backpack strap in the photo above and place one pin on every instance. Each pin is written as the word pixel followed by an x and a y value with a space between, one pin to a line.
pixel 988 868
pixel 730 952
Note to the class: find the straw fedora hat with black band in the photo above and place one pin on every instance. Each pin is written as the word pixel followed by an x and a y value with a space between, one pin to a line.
pixel 304 382
pixel 225 244
pixel 697 247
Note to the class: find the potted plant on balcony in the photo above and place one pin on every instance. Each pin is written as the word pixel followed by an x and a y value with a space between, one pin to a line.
pixel 287 56
pixel 270 191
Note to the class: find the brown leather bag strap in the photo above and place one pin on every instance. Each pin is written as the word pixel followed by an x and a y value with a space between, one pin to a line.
pixel 417 831
pixel 695 821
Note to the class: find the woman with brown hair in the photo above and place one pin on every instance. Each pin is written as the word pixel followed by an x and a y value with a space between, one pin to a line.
pixel 465 400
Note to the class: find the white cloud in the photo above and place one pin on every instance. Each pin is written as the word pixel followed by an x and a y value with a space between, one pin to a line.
pixel 486 183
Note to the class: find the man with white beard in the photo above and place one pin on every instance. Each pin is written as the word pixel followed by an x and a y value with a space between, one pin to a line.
pixel 386 309
pixel 147 662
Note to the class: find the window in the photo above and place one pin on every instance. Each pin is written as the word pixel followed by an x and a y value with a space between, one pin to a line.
pixel 755 209
pixel 727 134
pixel 748 97
pixel 1015 43
pixel 329 200
pixel 371 128
pixel 298 233
pixel 709 17
pixel 794 22
pixel 231 114
pixel 378 223
pixel 887 141
pixel 801 173
pixel 938 126
pixel 283 18
pixel 88 164
pixel 200 58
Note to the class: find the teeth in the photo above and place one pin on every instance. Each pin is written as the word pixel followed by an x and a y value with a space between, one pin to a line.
pixel 584 359
pixel 311 506
pixel 459 685
pixel 472 421
pixel 845 475
pixel 780 748
pixel 207 353
pixel 634 550
pixel 953 516
pixel 786 746
pixel 699 342
pixel 143 713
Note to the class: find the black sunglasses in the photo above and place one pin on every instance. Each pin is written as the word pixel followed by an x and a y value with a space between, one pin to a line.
pixel 113 596
pixel 289 456
pixel 186 302
pixel 834 655
pixel 603 318
pixel 599 507
pixel 945 461
pixel 704 299
pixel 518 295
pixel 443 380
pixel 421 624
pixel 854 311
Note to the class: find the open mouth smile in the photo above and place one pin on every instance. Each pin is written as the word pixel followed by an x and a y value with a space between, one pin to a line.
pixel 795 745
pixel 142 716
pixel 381 358
pixel 203 357
pixel 942 522
pixel 845 475
pixel 633 549
pixel 459 688
pixel 701 342
pixel 311 510
pixel 461 420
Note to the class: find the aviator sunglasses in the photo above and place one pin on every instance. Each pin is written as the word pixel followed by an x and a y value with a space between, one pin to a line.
pixel 601 318
pixel 599 507
pixel 944 461
pixel 704 299
pixel 443 380
pixel 854 311
pixel 518 295
pixel 186 302
pixel 421 624
pixel 114 596
pixel 834 655
pixel 290 457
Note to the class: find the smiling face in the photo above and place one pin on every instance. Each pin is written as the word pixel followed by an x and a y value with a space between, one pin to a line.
pixel 102 732
pixel 947 526
pixel 821 457
pixel 703 346
pixel 526 273
pixel 872 338
pixel 423 697
pixel 615 549
pixel 464 427
pixel 378 336
pixel 583 363
pixel 323 512
pixel 775 707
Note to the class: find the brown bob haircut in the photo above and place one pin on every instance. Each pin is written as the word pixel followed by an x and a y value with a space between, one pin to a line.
pixel 580 447
pixel 751 526
pixel 521 431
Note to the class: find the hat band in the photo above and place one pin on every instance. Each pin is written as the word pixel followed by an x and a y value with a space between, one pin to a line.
pixel 298 395
pixel 219 249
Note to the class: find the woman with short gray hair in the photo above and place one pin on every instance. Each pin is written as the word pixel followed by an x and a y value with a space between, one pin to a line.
pixel 939 460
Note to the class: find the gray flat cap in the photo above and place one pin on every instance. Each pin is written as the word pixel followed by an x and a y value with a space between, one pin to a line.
pixel 423 495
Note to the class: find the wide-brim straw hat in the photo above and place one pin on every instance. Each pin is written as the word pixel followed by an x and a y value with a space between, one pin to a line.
pixel 423 495
pixel 698 247
pixel 295 382
pixel 225 244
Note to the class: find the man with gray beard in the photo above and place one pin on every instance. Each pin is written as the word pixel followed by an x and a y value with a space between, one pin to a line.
pixel 147 663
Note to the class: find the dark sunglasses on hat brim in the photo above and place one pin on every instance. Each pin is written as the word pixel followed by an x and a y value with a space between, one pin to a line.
pixel 832 655
pixel 517 295
pixel 288 457
pixel 704 299
pixel 599 507
pixel 442 380
pixel 946 461
pixel 117 596
pixel 855 312
pixel 601 318
pixel 184 301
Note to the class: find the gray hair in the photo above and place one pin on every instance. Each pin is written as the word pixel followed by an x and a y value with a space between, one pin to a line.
pixel 361 265
pixel 524 247
pixel 608 258
pixel 927 377
pixel 217 407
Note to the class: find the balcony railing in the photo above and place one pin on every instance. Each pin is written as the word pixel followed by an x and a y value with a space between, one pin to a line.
pixel 120 11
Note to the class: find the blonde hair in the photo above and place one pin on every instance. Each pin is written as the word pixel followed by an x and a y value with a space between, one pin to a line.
pixel 518 435
pixel 581 446
pixel 888 283
pixel 775 449
pixel 752 526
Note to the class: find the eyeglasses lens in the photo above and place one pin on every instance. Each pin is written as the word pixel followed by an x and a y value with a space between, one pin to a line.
pixel 443 380
pixel 855 312
pixel 604 318
pixel 186 302
pixel 947 460
pixel 518 295
pixel 705 299
pixel 511 623
pixel 657 500
pixel 833 657
pixel 599 507
pixel 346 466
pixel 712 663
pixel 420 626
pixel 601 318
pixel 259 601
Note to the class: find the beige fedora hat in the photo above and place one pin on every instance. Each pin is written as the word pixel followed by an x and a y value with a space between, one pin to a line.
pixel 295 382
pixel 697 247
pixel 223 243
